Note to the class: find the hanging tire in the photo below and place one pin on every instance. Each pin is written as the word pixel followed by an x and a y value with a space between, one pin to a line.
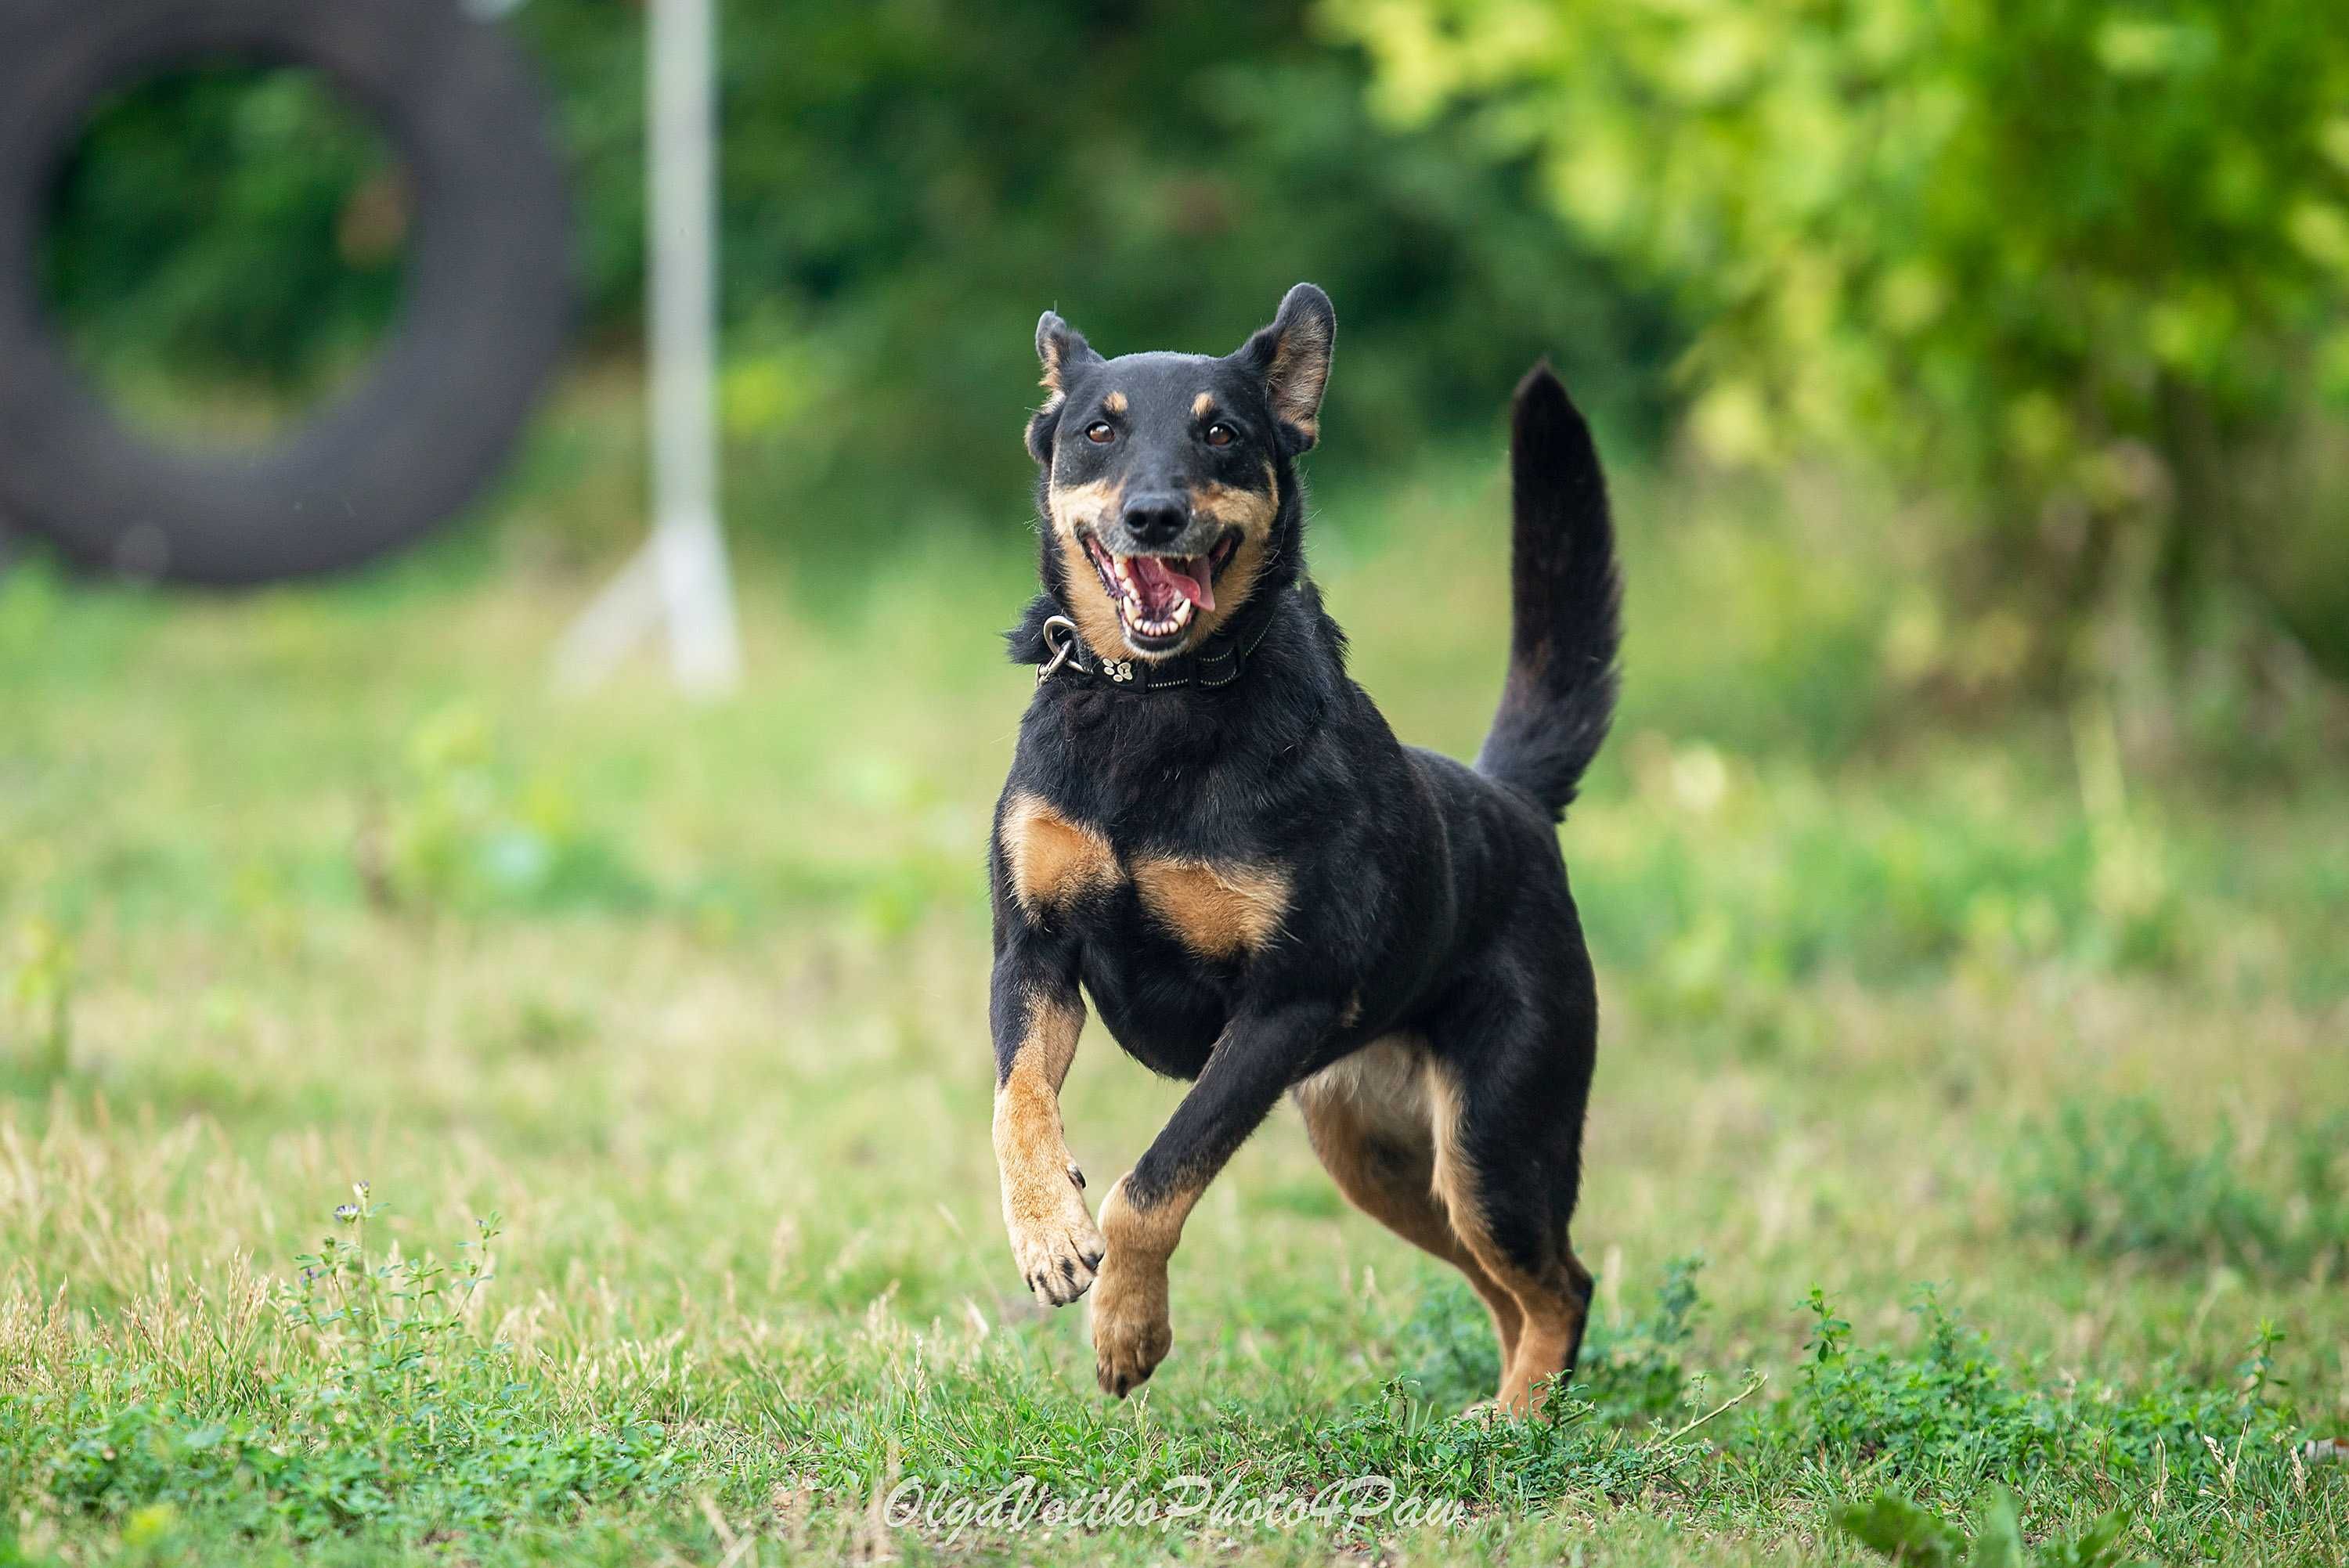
pixel 483 320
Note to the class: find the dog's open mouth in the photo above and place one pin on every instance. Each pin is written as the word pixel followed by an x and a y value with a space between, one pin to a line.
pixel 1158 596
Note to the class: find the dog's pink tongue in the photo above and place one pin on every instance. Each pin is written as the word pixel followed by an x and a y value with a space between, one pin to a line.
pixel 1188 577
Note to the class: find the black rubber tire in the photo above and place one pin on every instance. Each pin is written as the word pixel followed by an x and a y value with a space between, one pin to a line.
pixel 483 322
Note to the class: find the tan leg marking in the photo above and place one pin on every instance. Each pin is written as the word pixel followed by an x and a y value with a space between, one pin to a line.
pixel 1370 1121
pixel 1551 1305
pixel 1053 1238
pixel 1053 861
pixel 1216 911
pixel 1131 1330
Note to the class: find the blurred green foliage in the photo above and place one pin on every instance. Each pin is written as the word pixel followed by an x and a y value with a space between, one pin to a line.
pixel 906 185
pixel 462 833
pixel 2115 1180
pixel 226 220
pixel 2074 277
pixel 2076 271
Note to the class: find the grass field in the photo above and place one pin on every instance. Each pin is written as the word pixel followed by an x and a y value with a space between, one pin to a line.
pixel 1972 1112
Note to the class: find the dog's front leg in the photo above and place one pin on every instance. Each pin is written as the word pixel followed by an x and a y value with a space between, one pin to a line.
pixel 1261 1053
pixel 1036 1014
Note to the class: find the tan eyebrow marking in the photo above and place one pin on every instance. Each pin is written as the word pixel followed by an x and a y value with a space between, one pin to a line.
pixel 1114 403
pixel 1203 405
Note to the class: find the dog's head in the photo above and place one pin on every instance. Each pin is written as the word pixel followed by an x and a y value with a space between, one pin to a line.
pixel 1167 487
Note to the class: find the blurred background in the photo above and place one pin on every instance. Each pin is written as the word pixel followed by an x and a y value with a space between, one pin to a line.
pixel 2044 303
pixel 1967 872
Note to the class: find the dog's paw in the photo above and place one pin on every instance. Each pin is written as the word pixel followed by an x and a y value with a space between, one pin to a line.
pixel 1059 1250
pixel 1132 1334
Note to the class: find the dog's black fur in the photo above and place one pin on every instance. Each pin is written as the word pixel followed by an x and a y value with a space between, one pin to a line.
pixel 1260 888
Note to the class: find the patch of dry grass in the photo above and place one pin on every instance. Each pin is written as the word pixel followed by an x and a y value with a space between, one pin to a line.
pixel 320 886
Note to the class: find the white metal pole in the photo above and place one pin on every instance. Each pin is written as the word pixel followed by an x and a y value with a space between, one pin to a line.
pixel 681 577
pixel 696 585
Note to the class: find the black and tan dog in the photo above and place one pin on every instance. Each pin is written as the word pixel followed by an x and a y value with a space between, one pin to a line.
pixel 1210 829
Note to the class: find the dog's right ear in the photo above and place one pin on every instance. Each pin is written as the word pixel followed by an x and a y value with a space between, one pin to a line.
pixel 1063 352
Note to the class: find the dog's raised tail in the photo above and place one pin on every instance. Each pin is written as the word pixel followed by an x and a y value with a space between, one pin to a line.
pixel 1567 602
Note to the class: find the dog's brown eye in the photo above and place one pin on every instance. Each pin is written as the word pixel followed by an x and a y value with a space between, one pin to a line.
pixel 1099 433
pixel 1221 435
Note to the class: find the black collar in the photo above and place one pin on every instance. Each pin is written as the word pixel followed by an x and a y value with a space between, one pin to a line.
pixel 1217 662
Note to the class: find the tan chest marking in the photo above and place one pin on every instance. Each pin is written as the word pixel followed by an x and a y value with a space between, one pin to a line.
pixel 1216 911
pixel 1053 861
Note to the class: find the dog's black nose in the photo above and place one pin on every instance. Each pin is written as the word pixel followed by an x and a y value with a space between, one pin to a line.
pixel 1154 518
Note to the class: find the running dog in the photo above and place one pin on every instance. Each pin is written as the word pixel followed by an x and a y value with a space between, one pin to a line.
pixel 1209 828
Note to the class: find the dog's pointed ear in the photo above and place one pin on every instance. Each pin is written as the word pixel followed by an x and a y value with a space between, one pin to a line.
pixel 1063 352
pixel 1292 356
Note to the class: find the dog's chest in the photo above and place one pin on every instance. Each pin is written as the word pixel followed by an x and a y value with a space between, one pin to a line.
pixel 1220 908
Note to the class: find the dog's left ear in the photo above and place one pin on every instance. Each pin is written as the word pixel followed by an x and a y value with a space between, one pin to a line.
pixel 1292 356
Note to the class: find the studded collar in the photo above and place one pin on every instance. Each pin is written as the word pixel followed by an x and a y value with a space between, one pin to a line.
pixel 1217 662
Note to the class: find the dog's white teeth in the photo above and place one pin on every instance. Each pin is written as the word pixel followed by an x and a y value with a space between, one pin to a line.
pixel 1136 611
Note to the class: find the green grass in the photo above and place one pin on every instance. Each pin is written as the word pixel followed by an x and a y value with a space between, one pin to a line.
pixel 1995 1081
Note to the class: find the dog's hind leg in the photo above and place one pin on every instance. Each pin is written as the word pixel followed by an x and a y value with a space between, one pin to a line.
pixel 1368 1120
pixel 1509 1108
